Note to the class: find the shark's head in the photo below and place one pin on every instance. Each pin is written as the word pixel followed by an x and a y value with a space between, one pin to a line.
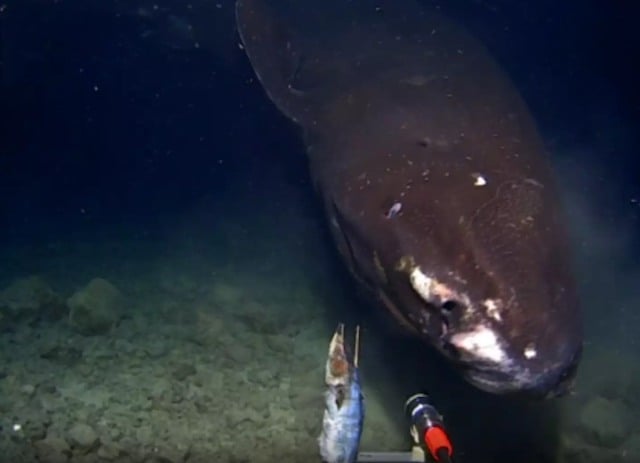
pixel 474 262
pixel 506 338
pixel 432 174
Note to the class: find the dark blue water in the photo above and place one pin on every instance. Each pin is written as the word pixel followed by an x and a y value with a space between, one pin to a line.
pixel 136 146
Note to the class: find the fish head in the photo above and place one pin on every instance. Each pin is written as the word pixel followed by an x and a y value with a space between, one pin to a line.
pixel 473 261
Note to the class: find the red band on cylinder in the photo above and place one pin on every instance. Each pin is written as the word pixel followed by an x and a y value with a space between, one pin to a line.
pixel 436 439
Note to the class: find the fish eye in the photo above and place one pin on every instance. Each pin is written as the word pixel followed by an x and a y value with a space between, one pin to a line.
pixel 340 396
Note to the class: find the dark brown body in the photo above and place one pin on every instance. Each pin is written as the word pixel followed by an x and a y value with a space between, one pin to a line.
pixel 440 195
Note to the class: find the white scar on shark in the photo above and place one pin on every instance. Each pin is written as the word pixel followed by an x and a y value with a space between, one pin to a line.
pixel 433 291
pixel 481 342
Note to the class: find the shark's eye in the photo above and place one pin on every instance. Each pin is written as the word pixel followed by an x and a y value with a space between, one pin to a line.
pixel 450 305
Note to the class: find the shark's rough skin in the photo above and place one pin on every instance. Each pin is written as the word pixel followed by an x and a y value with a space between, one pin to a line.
pixel 434 177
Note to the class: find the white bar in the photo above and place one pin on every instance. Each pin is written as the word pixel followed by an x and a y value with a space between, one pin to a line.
pixel 389 457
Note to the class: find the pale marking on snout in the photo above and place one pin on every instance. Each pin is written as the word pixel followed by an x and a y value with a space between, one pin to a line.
pixel 493 307
pixel 481 342
pixel 434 291
pixel 421 283
pixel 530 352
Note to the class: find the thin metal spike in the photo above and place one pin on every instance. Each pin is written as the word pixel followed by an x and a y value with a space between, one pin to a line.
pixel 357 347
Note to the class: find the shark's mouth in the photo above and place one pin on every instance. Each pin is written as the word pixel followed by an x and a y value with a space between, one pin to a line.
pixel 509 376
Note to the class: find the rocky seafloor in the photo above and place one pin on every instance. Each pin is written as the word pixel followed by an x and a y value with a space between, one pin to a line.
pixel 126 352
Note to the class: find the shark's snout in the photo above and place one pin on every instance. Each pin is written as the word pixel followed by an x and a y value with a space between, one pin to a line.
pixel 496 369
